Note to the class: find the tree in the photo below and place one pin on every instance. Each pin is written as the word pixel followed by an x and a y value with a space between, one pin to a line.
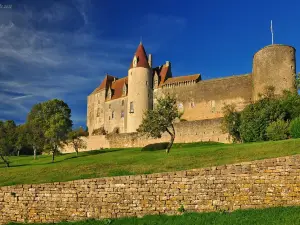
pixel 231 122
pixel 35 126
pixel 7 140
pixel 51 120
pixel 74 139
pixel 21 137
pixel 159 120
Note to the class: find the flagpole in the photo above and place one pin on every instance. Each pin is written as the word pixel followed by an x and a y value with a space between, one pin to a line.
pixel 272 32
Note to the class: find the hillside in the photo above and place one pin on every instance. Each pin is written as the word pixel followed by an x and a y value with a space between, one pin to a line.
pixel 115 162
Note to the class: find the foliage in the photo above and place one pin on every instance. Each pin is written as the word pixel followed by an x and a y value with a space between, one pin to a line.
pixel 50 124
pixel 21 137
pixel 160 119
pixel 7 140
pixel 231 122
pixel 74 139
pixel 295 128
pixel 99 131
pixel 181 209
pixel 277 130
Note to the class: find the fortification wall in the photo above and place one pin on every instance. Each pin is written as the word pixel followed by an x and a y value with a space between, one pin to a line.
pixel 258 184
pixel 186 132
pixel 205 99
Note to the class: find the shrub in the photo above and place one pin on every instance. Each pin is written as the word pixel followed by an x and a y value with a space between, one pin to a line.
pixel 231 122
pixel 277 130
pixel 295 128
pixel 99 131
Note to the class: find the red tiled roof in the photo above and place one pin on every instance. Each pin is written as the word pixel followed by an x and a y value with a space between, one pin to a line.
pixel 117 87
pixel 105 83
pixel 174 80
pixel 142 57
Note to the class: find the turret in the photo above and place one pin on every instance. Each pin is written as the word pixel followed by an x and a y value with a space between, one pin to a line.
pixel 139 89
pixel 274 65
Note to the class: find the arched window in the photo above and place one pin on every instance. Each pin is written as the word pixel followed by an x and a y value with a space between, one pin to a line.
pixel 112 114
pixel 124 90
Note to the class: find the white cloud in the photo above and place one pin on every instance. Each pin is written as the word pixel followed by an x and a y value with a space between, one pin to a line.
pixel 43 58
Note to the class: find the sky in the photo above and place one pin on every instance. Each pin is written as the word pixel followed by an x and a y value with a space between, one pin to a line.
pixel 63 49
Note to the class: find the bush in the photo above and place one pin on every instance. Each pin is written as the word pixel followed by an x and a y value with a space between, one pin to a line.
pixel 277 130
pixel 295 128
pixel 99 131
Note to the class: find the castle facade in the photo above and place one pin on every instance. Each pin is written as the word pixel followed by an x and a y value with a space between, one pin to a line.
pixel 119 103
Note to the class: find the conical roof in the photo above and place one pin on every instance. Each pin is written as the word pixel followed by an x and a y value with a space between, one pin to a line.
pixel 142 59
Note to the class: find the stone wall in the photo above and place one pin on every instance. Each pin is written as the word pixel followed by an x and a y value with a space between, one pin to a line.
pixel 264 183
pixel 205 99
pixel 186 132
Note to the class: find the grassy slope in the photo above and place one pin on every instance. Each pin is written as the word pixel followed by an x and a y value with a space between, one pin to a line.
pixel 115 162
pixel 270 216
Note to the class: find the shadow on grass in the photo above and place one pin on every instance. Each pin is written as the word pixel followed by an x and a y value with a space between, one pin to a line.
pixel 85 154
pixel 155 147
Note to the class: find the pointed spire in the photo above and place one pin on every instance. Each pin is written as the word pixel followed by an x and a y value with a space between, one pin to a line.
pixel 142 59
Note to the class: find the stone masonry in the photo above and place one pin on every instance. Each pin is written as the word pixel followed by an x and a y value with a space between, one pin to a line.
pixel 257 184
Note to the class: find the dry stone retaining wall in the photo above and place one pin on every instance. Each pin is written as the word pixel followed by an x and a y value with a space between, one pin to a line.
pixel 257 184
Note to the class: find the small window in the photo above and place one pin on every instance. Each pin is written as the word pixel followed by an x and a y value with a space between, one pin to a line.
pixel 112 114
pixel 131 107
pixel 122 114
pixel 146 82
pixel 122 102
pixel 109 106
pixel 109 118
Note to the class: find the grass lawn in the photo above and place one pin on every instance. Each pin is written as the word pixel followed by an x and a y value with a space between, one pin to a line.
pixel 115 162
pixel 269 216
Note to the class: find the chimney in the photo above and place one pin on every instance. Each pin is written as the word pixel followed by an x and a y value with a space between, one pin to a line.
pixel 150 60
pixel 168 63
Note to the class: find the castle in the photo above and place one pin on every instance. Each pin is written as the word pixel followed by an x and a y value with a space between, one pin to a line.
pixel 120 103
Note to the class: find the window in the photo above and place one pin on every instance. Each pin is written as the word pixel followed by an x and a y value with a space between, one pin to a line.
pixel 109 106
pixel 146 82
pixel 122 102
pixel 122 114
pixel 124 90
pixel 112 114
pixel 131 107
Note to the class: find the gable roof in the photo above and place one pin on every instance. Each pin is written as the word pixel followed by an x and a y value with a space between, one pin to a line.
pixel 117 88
pixel 142 57
pixel 108 79
pixel 174 80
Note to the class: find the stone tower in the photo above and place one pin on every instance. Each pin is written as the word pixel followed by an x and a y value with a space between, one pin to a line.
pixel 139 89
pixel 274 65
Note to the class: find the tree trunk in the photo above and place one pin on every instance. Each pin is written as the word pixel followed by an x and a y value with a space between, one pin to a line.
pixel 34 153
pixel 172 139
pixel 76 152
pixel 18 152
pixel 53 156
pixel 4 160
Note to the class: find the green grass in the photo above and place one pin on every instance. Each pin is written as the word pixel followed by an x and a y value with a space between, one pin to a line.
pixel 115 162
pixel 269 216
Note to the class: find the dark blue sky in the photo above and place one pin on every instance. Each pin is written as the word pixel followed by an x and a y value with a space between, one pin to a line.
pixel 62 49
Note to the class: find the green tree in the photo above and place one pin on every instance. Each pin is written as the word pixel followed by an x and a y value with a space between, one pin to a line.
pixel 277 130
pixel 21 138
pixel 161 119
pixel 52 122
pixel 35 126
pixel 7 140
pixel 75 140
pixel 231 122
pixel 295 128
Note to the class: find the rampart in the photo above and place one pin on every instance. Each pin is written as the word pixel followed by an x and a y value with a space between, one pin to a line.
pixel 257 184
pixel 205 99
pixel 186 132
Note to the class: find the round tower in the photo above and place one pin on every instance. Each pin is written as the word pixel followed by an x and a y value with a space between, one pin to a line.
pixel 274 65
pixel 139 89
